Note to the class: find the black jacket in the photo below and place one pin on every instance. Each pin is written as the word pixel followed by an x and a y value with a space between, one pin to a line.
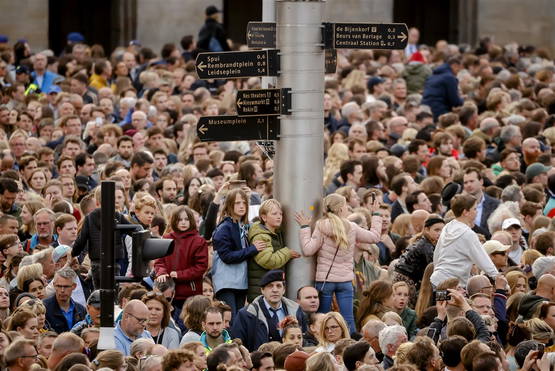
pixel 56 319
pixel 488 207
pixel 414 261
pixel 211 28
pixel 90 237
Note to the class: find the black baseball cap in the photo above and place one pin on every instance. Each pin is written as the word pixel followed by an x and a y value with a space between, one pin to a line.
pixel 211 10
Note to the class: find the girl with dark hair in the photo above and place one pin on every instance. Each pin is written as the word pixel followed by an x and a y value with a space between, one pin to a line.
pixel 189 260
pixel 376 300
pixel 373 172
pixel 413 261
pixel 232 251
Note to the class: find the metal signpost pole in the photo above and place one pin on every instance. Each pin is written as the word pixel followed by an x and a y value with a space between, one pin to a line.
pixel 268 15
pixel 107 266
pixel 299 159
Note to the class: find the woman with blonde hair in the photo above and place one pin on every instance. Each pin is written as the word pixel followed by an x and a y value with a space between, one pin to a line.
pixel 25 322
pixel 109 358
pixel 518 282
pixel 337 154
pixel 322 361
pixel 540 330
pixel 29 279
pixel 402 226
pixel 27 228
pixel 425 293
pixel 332 329
pixel 333 242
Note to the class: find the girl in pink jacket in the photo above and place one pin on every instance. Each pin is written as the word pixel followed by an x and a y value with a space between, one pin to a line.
pixel 333 242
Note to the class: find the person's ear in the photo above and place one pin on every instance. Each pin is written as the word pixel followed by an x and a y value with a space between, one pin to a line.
pixel 358 364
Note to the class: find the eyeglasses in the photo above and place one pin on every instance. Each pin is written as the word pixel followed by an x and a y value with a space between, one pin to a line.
pixel 63 287
pixel 331 328
pixel 33 356
pixel 140 320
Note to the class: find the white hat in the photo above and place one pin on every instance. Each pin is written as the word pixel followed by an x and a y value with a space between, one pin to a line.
pixel 509 222
pixel 493 246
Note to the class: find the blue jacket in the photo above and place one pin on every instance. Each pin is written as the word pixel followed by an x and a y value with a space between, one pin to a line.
pixel 441 91
pixel 229 266
pixel 56 319
pixel 488 207
pixel 251 326
pixel 47 80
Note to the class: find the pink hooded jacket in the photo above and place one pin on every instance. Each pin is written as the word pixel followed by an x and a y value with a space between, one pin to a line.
pixel 322 243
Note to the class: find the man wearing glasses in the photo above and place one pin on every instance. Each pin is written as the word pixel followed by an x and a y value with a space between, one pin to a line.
pixel 62 312
pixel 132 326
pixel 20 355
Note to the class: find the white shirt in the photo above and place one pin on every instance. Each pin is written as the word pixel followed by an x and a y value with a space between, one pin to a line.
pixel 458 248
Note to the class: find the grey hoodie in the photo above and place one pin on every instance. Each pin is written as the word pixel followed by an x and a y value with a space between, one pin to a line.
pixel 458 248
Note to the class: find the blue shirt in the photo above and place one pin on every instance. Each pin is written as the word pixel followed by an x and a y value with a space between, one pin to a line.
pixel 479 209
pixel 69 314
pixel 123 342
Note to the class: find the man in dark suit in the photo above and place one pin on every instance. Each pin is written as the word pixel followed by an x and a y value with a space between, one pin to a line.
pixel 473 185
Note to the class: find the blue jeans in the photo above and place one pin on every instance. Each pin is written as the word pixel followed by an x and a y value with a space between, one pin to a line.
pixel 234 298
pixel 344 294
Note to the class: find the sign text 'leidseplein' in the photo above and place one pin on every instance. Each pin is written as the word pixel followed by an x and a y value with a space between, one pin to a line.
pixel 229 65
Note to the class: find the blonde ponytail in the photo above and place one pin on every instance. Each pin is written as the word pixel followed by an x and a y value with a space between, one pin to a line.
pixel 332 206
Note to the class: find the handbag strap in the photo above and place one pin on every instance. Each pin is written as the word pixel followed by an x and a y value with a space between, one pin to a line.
pixel 331 265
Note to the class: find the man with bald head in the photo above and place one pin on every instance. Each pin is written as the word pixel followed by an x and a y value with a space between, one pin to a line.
pixel 545 291
pixel 417 219
pixel 132 326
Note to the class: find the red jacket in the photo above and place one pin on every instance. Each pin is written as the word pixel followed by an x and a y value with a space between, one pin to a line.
pixel 189 259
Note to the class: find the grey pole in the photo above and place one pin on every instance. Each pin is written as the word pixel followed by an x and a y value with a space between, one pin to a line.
pixel 268 15
pixel 299 158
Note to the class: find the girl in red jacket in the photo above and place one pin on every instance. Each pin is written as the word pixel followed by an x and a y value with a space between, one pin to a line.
pixel 189 260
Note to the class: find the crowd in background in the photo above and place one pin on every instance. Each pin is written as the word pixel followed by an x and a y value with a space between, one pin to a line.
pixel 435 247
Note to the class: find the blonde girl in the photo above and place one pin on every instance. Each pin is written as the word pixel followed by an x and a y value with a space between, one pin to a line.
pixel 333 242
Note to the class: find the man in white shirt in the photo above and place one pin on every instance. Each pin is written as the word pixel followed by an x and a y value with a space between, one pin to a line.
pixel 458 247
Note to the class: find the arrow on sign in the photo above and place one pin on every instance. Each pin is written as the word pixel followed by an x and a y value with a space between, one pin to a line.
pixel 239 102
pixel 201 66
pixel 402 36
pixel 203 129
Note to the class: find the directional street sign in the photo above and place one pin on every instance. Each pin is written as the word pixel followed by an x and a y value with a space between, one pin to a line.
pixel 330 56
pixel 229 65
pixel 231 128
pixel 263 102
pixel 261 35
pixel 365 35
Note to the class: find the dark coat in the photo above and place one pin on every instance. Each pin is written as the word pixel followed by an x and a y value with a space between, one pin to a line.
pixel 396 210
pixel 415 259
pixel 211 28
pixel 251 324
pixel 488 207
pixel 441 91
pixel 229 267
pixel 56 319
pixel 91 238
pixel 189 260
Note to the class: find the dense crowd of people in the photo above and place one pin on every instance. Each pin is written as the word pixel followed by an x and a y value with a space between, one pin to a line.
pixel 435 247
